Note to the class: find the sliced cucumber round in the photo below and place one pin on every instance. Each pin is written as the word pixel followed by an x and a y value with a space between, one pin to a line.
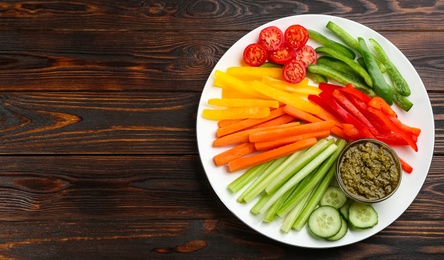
pixel 362 216
pixel 334 197
pixel 325 221
pixel 344 209
pixel 341 233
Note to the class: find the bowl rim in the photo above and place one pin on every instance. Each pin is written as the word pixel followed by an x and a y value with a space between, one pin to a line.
pixel 357 197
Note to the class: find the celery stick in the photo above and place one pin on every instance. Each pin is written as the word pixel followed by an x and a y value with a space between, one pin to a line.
pixel 306 157
pixel 273 165
pixel 320 190
pixel 299 176
pixel 271 213
pixel 317 178
pixel 260 203
pixel 291 217
pixel 247 176
pixel 272 175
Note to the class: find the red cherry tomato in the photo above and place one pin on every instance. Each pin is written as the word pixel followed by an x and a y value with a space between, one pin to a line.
pixel 282 55
pixel 296 36
pixel 255 55
pixel 294 71
pixel 271 37
pixel 307 55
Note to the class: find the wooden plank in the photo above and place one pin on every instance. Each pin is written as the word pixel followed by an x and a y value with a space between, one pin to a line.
pixel 99 122
pixel 208 15
pixel 126 61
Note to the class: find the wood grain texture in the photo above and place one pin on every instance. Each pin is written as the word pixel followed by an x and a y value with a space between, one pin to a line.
pixel 208 14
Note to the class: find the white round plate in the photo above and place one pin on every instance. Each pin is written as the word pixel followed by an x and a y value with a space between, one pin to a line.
pixel 420 115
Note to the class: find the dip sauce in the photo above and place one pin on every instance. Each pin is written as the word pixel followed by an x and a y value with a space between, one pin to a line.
pixel 369 170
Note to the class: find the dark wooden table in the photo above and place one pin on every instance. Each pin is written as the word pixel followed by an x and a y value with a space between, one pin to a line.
pixel 97 124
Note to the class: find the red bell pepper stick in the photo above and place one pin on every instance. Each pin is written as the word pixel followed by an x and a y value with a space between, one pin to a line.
pixel 405 166
pixel 395 129
pixel 408 129
pixel 320 102
pixel 379 103
pixel 350 89
pixel 344 114
pixel 348 105
pixel 362 106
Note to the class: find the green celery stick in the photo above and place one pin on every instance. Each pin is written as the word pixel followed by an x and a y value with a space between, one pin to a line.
pixel 305 158
pixel 299 176
pixel 247 176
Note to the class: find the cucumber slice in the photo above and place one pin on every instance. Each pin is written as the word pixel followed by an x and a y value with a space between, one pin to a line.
pixel 362 216
pixel 344 209
pixel 341 233
pixel 334 197
pixel 325 221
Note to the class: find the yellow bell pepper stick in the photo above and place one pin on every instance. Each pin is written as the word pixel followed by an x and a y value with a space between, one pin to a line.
pixel 292 100
pixel 236 113
pixel 254 73
pixel 232 93
pixel 239 102
pixel 232 82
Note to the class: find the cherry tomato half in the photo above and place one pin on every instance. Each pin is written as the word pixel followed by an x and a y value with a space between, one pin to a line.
pixel 255 55
pixel 271 37
pixel 296 36
pixel 307 55
pixel 282 55
pixel 294 71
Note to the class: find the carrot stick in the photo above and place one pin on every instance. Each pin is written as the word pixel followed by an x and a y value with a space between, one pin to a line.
pixel 262 157
pixel 242 136
pixel 248 123
pixel 267 145
pixel 225 122
pixel 268 135
pixel 304 116
pixel 234 153
pixel 284 119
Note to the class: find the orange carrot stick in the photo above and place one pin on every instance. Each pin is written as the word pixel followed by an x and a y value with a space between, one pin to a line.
pixel 284 119
pixel 242 136
pixel 268 135
pixel 234 153
pixel 304 116
pixel 248 123
pixel 225 122
pixel 267 145
pixel 262 157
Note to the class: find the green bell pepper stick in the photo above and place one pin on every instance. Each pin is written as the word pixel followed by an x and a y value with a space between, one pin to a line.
pixel 351 41
pixel 380 86
pixel 331 44
pixel 341 77
pixel 337 64
pixel 355 66
pixel 399 83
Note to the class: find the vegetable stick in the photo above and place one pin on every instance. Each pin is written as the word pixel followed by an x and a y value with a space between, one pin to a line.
pixel 237 84
pixel 225 122
pixel 267 135
pixel 248 123
pixel 252 73
pixel 291 100
pixel 267 145
pixel 405 166
pixel 299 176
pixel 228 92
pixel 255 159
pixel 251 174
pixel 242 136
pixel 242 102
pixel 312 119
pixel 236 113
pixel 284 119
pixel 234 153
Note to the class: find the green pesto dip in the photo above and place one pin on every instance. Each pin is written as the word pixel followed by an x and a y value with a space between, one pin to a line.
pixel 369 170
